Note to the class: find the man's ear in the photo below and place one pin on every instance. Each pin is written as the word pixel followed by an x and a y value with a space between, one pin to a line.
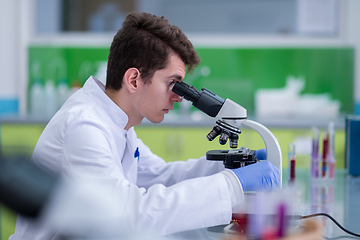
pixel 131 79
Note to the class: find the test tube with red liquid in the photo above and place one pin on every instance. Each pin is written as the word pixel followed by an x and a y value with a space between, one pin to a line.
pixel 325 153
pixel 292 162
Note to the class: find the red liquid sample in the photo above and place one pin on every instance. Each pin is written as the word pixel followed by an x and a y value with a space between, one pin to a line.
pixel 292 169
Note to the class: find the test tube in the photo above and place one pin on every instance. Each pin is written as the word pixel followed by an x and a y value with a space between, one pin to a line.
pixel 325 153
pixel 291 162
pixel 282 221
pixel 331 152
pixel 257 221
pixel 315 154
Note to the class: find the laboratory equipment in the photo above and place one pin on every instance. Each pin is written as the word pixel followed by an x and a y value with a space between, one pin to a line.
pixel 233 158
pixel 24 187
pixel 292 162
pixel 352 129
pixel 231 117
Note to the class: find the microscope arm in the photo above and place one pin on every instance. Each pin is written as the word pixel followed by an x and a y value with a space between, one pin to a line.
pixel 273 152
pixel 235 115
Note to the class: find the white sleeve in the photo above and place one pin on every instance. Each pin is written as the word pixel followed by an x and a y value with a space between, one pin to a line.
pixel 235 188
pixel 159 211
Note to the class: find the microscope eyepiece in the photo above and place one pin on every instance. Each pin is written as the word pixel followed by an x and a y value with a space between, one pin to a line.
pixel 204 100
pixel 188 92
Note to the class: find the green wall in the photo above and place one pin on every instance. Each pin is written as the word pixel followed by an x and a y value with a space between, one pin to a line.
pixel 236 73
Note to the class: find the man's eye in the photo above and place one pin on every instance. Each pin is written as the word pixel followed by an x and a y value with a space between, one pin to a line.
pixel 171 83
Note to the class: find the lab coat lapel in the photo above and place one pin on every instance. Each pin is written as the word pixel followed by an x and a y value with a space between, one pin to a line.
pixel 131 156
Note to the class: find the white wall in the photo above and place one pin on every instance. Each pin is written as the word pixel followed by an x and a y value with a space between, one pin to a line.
pixel 9 51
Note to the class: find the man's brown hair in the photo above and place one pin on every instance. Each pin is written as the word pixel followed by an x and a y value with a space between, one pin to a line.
pixel 144 42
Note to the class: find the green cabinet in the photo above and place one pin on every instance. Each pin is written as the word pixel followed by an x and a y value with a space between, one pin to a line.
pixel 181 143
pixel 175 143
pixel 19 138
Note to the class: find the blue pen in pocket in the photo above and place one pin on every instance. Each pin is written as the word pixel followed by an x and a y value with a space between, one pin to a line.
pixel 137 153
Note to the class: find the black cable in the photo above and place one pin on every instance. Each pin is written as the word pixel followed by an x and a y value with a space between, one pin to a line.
pixel 336 222
pixel 341 237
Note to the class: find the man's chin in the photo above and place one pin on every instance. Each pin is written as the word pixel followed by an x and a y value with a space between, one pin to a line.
pixel 156 120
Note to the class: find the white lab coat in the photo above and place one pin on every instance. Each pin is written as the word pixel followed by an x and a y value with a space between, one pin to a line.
pixel 86 138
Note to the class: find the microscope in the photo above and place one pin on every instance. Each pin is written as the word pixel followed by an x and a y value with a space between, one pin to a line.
pixel 230 118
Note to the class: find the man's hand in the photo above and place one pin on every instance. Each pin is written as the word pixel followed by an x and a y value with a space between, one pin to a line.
pixel 259 176
pixel 261 154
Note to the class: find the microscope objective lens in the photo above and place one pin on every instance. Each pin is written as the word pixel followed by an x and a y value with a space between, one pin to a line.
pixel 233 144
pixel 213 133
pixel 234 140
pixel 223 138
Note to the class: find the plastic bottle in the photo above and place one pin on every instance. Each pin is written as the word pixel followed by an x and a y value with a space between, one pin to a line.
pixel 37 99
pixel 50 98
pixel 63 92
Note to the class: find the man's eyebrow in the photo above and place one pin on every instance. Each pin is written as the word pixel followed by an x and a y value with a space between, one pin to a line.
pixel 178 77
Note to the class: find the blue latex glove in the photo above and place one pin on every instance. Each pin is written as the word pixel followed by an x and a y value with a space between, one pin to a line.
pixel 261 154
pixel 259 176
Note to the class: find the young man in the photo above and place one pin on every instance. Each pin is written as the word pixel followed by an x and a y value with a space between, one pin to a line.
pixel 92 137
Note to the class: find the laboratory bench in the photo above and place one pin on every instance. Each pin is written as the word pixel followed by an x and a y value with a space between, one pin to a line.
pixel 338 197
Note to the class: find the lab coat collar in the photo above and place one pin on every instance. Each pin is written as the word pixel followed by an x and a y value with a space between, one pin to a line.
pixel 116 114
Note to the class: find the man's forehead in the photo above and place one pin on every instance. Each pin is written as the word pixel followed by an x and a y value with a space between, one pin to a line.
pixel 175 63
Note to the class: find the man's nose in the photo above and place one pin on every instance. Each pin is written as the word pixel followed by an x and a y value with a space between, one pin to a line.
pixel 177 98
